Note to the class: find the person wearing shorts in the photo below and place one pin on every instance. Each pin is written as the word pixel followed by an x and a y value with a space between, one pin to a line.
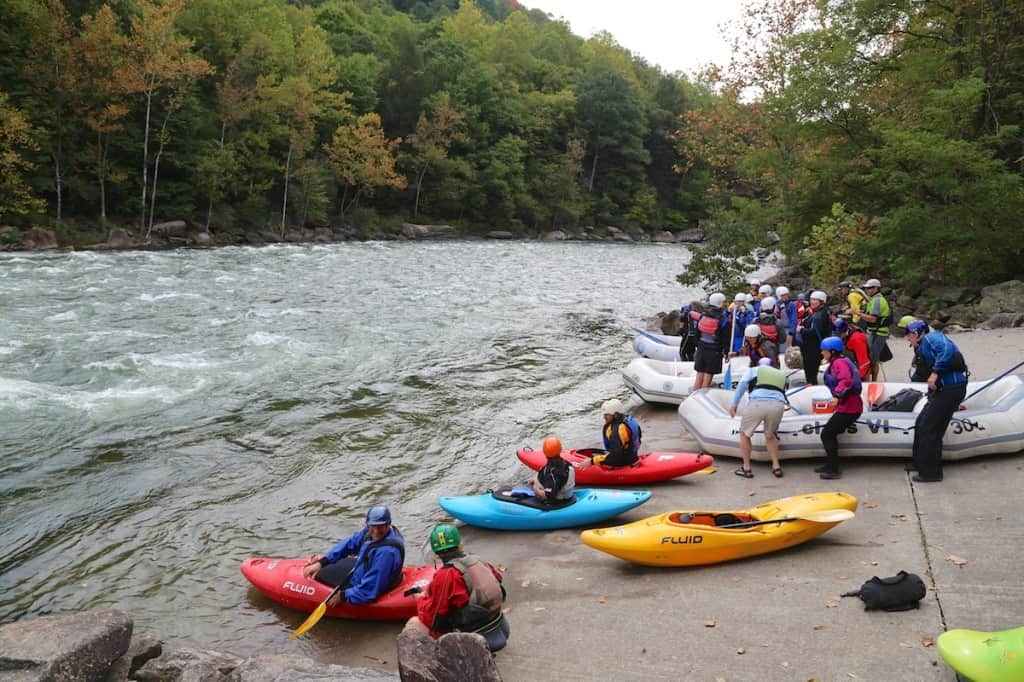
pixel 767 387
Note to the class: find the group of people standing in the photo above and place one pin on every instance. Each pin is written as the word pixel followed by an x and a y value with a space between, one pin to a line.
pixel 851 343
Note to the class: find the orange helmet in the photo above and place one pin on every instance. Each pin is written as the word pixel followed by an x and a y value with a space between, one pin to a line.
pixel 552 446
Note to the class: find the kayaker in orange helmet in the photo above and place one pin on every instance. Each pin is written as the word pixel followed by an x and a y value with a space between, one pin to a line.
pixel 556 480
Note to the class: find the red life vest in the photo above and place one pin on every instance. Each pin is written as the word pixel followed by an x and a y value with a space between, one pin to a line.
pixel 707 325
pixel 769 328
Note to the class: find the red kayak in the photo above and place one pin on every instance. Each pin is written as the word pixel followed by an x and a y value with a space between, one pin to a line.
pixel 281 580
pixel 651 468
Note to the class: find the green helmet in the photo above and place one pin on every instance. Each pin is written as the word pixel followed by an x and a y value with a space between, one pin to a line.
pixel 444 537
pixel 905 320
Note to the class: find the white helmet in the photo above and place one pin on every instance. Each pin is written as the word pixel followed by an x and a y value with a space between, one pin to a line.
pixel 765 289
pixel 782 291
pixel 820 295
pixel 717 299
pixel 752 331
pixel 740 298
pixel 613 406
pixel 750 297
pixel 755 282
pixel 768 303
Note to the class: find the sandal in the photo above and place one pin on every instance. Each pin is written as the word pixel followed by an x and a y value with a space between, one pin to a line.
pixel 745 473
pixel 777 472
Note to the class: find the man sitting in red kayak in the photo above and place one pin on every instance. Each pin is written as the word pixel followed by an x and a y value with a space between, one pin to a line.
pixel 621 435
pixel 367 563
pixel 465 595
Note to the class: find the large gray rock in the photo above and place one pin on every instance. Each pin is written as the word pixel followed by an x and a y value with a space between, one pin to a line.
pixel 691 236
pixel 669 322
pixel 1006 297
pixel 664 237
pixel 1004 321
pixel 555 236
pixel 141 649
pixel 39 238
pixel 202 238
pixel 292 668
pixel 119 239
pixel 77 647
pixel 456 657
pixel 621 237
pixel 189 665
pixel 172 228
pixel 414 231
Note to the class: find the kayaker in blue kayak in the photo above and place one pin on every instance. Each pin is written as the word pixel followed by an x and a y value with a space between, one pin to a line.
pixel 367 563
pixel 556 480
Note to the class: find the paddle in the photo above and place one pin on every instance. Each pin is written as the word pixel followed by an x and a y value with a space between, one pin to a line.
pixel 1009 371
pixel 314 617
pixel 792 393
pixel 652 337
pixel 875 390
pixel 826 516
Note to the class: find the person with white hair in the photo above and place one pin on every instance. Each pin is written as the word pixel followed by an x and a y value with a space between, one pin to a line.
pixel 816 327
pixel 621 434
pixel 713 341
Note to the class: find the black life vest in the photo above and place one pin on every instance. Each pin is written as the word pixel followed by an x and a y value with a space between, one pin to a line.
pixel 398 544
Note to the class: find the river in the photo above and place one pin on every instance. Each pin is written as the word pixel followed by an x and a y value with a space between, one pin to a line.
pixel 164 415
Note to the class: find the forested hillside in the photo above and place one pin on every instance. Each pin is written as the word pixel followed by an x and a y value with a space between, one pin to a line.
pixel 885 136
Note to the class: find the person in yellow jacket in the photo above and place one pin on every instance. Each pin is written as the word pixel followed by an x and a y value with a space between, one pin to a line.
pixel 856 300
pixel 621 435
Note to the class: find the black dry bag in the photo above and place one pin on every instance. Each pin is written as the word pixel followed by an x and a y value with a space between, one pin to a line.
pixel 901 592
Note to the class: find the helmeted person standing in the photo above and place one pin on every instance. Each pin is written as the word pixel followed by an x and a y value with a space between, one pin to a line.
pixel 741 317
pixel 856 302
pixel 788 315
pixel 465 595
pixel 878 316
pixel 843 381
pixel 556 480
pixel 919 367
pixel 767 387
pixel 621 435
pixel 367 563
pixel 816 327
pixel 947 386
pixel 688 330
pixel 713 344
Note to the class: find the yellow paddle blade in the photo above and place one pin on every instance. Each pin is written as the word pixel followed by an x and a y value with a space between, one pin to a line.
pixel 828 516
pixel 705 470
pixel 313 619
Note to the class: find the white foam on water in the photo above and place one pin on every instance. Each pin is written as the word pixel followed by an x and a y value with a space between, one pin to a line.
pixel 265 339
pixel 68 316
pixel 14 346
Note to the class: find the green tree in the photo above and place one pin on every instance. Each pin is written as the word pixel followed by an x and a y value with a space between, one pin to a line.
pixel 16 138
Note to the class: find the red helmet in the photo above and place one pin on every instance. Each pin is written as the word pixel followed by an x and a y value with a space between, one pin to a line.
pixel 552 447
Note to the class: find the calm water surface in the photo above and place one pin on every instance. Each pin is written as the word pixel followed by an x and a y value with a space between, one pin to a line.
pixel 164 415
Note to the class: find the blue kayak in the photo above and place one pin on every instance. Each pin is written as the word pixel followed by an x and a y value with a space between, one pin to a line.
pixel 515 510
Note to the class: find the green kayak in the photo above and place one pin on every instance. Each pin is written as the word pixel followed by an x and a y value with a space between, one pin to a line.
pixel 984 656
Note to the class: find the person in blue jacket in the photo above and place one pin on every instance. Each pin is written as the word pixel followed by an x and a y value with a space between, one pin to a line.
pixel 947 387
pixel 742 316
pixel 367 563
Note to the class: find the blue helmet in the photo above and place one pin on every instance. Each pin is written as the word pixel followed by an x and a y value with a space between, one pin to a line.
pixel 840 326
pixel 832 343
pixel 378 515
pixel 919 327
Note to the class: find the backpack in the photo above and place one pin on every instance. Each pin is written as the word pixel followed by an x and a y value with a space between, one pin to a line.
pixel 901 592
pixel 903 401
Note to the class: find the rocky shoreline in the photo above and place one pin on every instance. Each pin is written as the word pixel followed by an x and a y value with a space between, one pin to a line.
pixel 99 646
pixel 178 233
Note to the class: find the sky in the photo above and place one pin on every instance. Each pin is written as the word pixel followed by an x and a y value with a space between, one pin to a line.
pixel 677 35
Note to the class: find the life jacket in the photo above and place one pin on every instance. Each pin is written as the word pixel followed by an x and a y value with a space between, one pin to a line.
pixel 770 378
pixel 709 323
pixel 769 326
pixel 832 381
pixel 486 595
pixel 371 546
pixel 801 310
pixel 881 327
pixel 635 433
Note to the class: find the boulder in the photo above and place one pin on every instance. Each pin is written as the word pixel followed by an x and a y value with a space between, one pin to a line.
pixel 73 647
pixel 119 239
pixel 323 235
pixel 202 238
pixel 690 236
pixel 669 323
pixel 39 238
pixel 414 231
pixel 555 236
pixel 188 665
pixel 965 315
pixel 172 228
pixel 456 657
pixel 1006 297
pixel 664 237
pixel 620 236
pixel 505 234
pixel 772 238
pixel 275 668
pixel 141 649
pixel 1004 321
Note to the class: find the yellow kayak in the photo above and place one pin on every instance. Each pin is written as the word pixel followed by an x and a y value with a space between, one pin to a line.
pixel 692 538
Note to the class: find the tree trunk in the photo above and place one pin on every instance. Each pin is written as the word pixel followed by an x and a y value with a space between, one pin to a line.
pixel 156 170
pixel 145 158
pixel 284 203
pixel 419 186
pixel 593 173
pixel 209 206
pixel 101 175
pixel 58 186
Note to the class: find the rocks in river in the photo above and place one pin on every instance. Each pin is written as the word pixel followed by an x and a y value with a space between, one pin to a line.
pixel 119 239
pixel 690 236
pixel 171 228
pixel 556 236
pixel 454 657
pixel 98 646
pixel 415 231
pixel 664 237
pixel 78 646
